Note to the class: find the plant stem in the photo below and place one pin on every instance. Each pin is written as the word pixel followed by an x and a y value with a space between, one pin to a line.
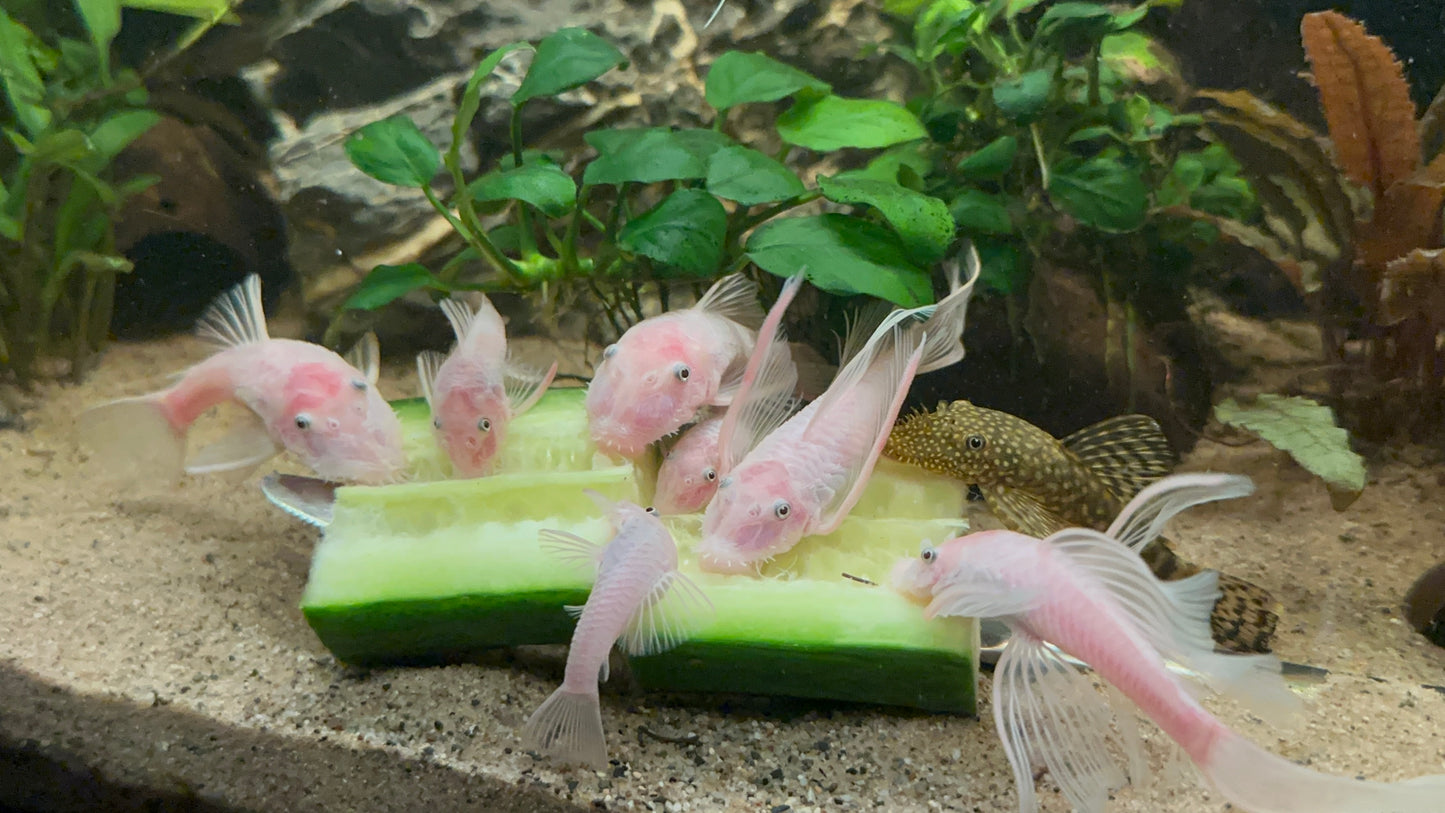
pixel 776 209
pixel 474 234
pixel 1092 65
pixel 1038 141
pixel 568 253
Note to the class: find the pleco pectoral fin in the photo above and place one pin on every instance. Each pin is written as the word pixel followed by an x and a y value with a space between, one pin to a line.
pixel 1021 511
pixel 571 549
pixel 674 609
pixel 365 356
pixel 980 597
pixel 524 386
pixel 244 447
pixel 1048 710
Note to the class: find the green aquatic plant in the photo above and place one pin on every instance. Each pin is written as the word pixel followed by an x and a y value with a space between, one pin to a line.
pixel 1306 430
pixel 69 112
pixel 651 207
pixel 1056 139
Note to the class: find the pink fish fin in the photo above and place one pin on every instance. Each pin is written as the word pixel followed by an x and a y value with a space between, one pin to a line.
pixel 1126 722
pixel 132 439
pixel 859 327
pixel 1048 712
pixel 1021 511
pixel 428 365
pixel 1256 780
pixel 460 315
pixel 236 317
pixel 525 385
pixel 975 593
pixel 894 373
pixel 571 549
pixel 1144 518
pixel 673 610
pixel 944 346
pixel 365 356
pixel 763 399
pixel 574 610
pixel 715 11
pixel 244 447
pixel 734 297
pixel 568 727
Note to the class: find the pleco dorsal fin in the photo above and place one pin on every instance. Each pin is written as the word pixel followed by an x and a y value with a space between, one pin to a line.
pixel 734 297
pixel 945 327
pixel 1127 452
pixel 428 364
pixel 674 609
pixel 365 356
pixel 1021 511
pixel 524 385
pixel 459 314
pixel 764 396
pixel 236 317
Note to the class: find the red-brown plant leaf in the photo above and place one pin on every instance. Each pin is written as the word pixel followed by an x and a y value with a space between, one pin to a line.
pixel 1414 285
pixel 1406 218
pixel 1366 101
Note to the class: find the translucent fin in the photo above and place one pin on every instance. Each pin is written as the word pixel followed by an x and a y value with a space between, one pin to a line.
pixel 602 671
pixel 1021 511
pixel 568 727
pixel 716 10
pixel 1258 781
pixel 945 327
pixel 571 549
pixel 976 594
pixel 428 364
pixel 246 446
pixel 365 356
pixel 132 439
pixel 1128 452
pixel 1144 518
pixel 764 397
pixel 1045 709
pixel 574 610
pixel 859 326
pixel 904 348
pixel 236 317
pixel 525 386
pixel 733 297
pixel 674 609
pixel 459 314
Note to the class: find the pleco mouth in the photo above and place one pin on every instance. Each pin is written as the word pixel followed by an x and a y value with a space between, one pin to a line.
pixel 710 561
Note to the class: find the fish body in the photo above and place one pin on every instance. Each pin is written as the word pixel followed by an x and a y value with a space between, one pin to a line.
pixel 801 475
pixel 1037 484
pixel 638 599
pixel 687 478
pixel 1088 594
pixel 303 398
pixel 476 390
pixel 665 370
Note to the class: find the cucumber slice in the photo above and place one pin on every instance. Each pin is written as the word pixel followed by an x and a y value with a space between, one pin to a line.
pixel 426 571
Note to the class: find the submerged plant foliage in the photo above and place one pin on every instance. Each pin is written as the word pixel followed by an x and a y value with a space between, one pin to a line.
pixel 660 205
pixel 1306 430
pixel 68 114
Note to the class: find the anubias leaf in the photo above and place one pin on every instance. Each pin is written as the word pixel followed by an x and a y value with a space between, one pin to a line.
pixel 843 255
pixel 394 151
pixel 833 122
pixel 685 232
pixel 565 60
pixel 1102 192
pixel 542 184
pixel 642 155
pixel 739 77
pixel 1307 431
pixel 922 221
pixel 749 177
pixel 1366 100
pixel 387 283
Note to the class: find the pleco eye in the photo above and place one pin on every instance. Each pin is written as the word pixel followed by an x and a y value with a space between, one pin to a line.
pixel 609 351
pixel 358 384
pixel 782 509
pixel 303 421
pixel 649 509
pixel 710 475
pixel 975 442
pixel 682 372
pixel 485 424
pixel 929 554
pixel 436 422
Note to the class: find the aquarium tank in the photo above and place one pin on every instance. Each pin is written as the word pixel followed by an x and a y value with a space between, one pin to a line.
pixel 987 405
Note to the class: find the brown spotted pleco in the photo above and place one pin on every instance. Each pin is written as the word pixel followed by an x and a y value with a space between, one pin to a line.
pixel 1037 484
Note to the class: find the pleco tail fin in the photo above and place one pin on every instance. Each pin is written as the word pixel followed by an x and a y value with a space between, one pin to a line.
pixel 1258 781
pixel 568 727
pixel 133 439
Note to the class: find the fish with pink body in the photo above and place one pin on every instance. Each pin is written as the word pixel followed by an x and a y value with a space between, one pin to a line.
pixel 303 398
pixel 476 391
pixel 666 370
pixel 639 599
pixel 1090 595
pixel 786 476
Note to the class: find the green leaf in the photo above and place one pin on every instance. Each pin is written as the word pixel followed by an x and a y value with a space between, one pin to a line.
pixel 219 10
pixel 992 161
pixel 685 231
pixel 1100 192
pixel 21 77
pixel 1023 97
pixel 1003 268
pixel 1137 57
pixel 102 20
pixel 892 165
pixel 1078 26
pixel 64 147
pixel 739 77
pixel 978 211
pixel 565 60
pixel 903 8
pixel 471 100
pixel 702 143
pixel 833 122
pixel 921 221
pixel 116 133
pixel 946 27
pixel 1306 430
pixel 641 155
pixel 9 228
pixel 388 283
pixel 1016 7
pixel 542 184
pixel 749 177
pixel 394 151
pixel 843 255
